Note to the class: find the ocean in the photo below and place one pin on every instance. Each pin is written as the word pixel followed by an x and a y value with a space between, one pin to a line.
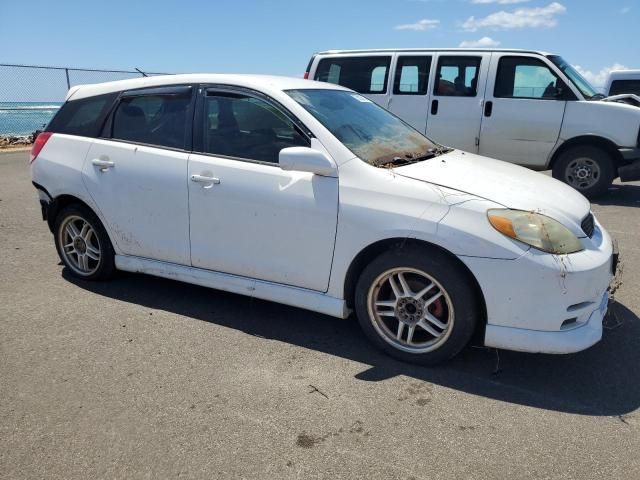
pixel 24 118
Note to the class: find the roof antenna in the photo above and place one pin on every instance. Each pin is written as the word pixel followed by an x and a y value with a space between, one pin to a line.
pixel 141 72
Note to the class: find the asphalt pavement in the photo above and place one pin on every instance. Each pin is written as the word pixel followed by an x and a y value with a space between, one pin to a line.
pixel 142 377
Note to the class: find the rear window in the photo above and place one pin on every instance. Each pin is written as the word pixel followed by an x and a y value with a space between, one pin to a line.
pixel 625 86
pixel 82 117
pixel 362 74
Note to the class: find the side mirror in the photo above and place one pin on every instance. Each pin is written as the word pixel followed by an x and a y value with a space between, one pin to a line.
pixel 305 159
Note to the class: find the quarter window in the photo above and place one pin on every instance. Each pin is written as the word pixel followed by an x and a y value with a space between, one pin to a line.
pixel 525 77
pixel 82 117
pixel 412 75
pixel 457 76
pixel 362 74
pixel 153 119
pixel 242 126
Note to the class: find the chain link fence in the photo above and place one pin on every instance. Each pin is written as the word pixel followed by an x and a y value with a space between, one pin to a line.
pixel 30 95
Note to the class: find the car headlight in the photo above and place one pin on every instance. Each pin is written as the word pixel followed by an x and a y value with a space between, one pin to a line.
pixel 539 231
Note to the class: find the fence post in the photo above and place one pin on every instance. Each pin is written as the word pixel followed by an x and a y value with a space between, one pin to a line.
pixel 66 71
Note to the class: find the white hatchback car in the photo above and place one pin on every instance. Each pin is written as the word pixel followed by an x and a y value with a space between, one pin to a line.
pixel 308 194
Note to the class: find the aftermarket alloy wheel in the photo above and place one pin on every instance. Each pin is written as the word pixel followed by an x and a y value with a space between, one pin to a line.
pixel 588 169
pixel 83 244
pixel 417 305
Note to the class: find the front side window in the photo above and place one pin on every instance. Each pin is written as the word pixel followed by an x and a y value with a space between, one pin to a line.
pixel 362 74
pixel 625 86
pixel 153 119
pixel 412 75
pixel 457 76
pixel 369 131
pixel 525 77
pixel 243 126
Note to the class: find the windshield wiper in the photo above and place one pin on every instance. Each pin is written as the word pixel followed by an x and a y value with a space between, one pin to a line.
pixel 597 96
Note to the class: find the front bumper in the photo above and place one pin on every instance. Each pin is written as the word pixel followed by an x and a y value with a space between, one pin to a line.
pixel 547 303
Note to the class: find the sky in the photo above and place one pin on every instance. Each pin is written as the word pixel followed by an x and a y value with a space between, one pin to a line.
pixel 279 36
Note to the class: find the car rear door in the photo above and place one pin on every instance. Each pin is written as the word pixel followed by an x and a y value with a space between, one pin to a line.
pixel 248 216
pixel 410 97
pixel 455 112
pixel 136 173
pixel 524 108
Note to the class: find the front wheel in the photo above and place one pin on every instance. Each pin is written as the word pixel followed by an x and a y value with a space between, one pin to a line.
pixel 417 305
pixel 588 169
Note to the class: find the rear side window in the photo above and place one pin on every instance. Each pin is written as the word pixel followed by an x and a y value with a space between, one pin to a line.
pixel 412 75
pixel 625 86
pixel 457 76
pixel 525 77
pixel 160 119
pixel 362 74
pixel 82 117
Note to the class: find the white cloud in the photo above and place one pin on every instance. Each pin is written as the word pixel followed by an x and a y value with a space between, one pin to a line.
pixel 598 79
pixel 499 2
pixel 625 10
pixel 483 42
pixel 541 17
pixel 421 25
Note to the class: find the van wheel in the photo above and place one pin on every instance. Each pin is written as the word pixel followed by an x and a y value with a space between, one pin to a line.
pixel 588 169
pixel 417 305
pixel 83 244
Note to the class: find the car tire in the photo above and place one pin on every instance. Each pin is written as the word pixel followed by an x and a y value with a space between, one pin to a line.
pixel 401 315
pixel 83 244
pixel 587 168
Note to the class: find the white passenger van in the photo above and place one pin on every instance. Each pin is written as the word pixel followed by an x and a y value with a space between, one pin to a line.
pixel 525 107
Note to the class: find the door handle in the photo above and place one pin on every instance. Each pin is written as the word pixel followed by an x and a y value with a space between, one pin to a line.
pixel 103 165
pixel 434 107
pixel 488 108
pixel 203 179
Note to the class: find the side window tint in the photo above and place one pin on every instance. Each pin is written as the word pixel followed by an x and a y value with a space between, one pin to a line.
pixel 362 74
pixel 153 119
pixel 525 77
pixel 625 86
pixel 412 75
pixel 457 76
pixel 242 126
pixel 82 117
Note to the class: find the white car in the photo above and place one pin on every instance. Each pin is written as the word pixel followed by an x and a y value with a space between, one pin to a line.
pixel 308 194
pixel 526 107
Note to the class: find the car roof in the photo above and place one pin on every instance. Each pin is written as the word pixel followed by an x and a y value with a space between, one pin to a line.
pixel 264 83
pixel 393 50
pixel 623 73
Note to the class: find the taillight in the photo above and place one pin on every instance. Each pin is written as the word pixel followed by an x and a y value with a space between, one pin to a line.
pixel 306 75
pixel 38 144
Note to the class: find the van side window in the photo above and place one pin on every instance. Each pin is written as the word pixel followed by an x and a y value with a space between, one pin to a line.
pixel 457 76
pixel 412 75
pixel 625 86
pixel 82 117
pixel 525 77
pixel 153 119
pixel 362 74
pixel 242 126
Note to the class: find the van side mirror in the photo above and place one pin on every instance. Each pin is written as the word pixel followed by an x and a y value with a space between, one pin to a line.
pixel 305 159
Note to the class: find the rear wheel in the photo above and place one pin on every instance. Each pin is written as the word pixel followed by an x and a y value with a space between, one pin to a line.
pixel 417 305
pixel 588 169
pixel 83 244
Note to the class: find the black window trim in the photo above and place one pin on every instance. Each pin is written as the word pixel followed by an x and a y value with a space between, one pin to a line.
pixel 106 132
pixel 198 119
pixel 434 90
pixel 540 62
pixel 395 90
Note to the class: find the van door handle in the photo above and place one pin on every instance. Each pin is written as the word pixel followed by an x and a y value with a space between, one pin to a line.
pixel 203 179
pixel 103 164
pixel 434 107
pixel 488 109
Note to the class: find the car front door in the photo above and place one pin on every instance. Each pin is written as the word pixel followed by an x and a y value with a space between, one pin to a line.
pixel 455 111
pixel 410 93
pixel 248 216
pixel 136 175
pixel 523 112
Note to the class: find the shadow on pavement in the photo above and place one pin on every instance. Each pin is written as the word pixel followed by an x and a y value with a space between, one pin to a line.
pixel 621 195
pixel 604 380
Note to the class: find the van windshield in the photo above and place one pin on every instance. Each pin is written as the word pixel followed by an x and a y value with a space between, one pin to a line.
pixel 578 80
pixel 369 131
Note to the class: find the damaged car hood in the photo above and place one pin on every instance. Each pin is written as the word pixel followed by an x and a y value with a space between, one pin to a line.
pixel 504 183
